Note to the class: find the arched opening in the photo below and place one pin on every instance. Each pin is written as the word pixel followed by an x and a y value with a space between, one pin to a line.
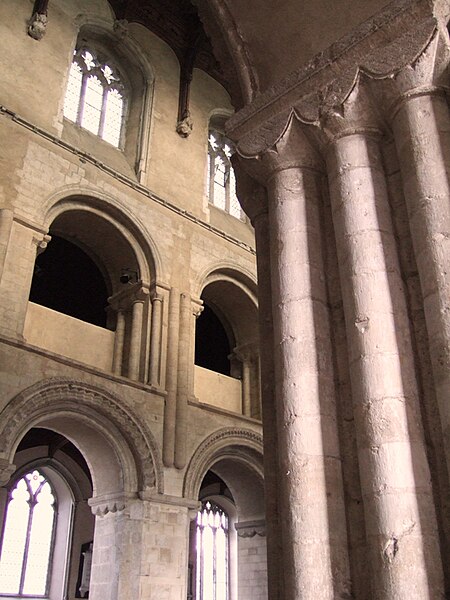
pixel 46 525
pixel 67 280
pixel 212 344
pixel 94 272
pixel 226 347
pixel 231 493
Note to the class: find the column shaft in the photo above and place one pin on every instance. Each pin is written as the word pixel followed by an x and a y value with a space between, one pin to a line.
pixel 171 378
pixel 310 471
pixel 246 389
pixel 118 343
pixel 136 339
pixel 184 368
pixel 422 137
pixel 155 341
pixel 395 478
pixel 275 563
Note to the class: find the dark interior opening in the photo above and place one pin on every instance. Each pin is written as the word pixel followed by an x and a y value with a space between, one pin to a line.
pixel 67 280
pixel 212 347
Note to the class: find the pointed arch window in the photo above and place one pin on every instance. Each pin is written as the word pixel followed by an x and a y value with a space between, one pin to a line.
pixel 212 548
pixel 221 181
pixel 95 96
pixel 28 537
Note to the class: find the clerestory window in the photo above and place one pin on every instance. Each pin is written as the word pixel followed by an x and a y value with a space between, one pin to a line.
pixel 221 181
pixel 95 96
pixel 28 537
pixel 212 547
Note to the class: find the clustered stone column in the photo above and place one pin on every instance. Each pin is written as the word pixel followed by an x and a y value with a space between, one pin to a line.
pixel 316 562
pixel 341 150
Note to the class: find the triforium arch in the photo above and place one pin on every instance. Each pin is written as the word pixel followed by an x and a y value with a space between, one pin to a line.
pixel 121 452
pixel 230 296
pixel 126 264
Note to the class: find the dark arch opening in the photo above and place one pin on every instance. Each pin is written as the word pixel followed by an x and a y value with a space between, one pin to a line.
pixel 212 346
pixel 67 280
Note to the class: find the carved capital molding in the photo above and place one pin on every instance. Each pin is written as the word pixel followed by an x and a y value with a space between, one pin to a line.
pixel 379 49
pixel 248 529
pixel 110 503
pixel 41 242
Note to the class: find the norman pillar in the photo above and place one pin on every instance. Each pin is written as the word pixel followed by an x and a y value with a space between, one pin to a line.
pixel 253 198
pixel 395 479
pixel 312 503
pixel 171 378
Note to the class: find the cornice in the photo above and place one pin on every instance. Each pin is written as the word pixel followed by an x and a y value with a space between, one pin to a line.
pixel 379 48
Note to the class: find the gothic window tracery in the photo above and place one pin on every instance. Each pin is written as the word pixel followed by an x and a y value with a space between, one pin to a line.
pixel 95 96
pixel 222 186
pixel 28 537
pixel 212 543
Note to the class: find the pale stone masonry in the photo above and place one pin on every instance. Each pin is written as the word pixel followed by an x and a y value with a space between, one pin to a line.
pixel 324 450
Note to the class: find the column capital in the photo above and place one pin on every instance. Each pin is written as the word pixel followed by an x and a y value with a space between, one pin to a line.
pixel 111 503
pixel 355 115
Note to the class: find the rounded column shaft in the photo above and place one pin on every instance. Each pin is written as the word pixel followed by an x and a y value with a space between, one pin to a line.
pixel 395 479
pixel 136 339
pixel 171 377
pixel 155 341
pixel 184 378
pixel 312 512
pixel 118 343
pixel 422 136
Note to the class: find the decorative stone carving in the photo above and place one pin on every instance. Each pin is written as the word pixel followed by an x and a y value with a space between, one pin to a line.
pixel 38 26
pixel 185 126
pixel 242 443
pixel 62 394
pixel 121 28
pixel 248 529
pixel 378 49
pixel 103 505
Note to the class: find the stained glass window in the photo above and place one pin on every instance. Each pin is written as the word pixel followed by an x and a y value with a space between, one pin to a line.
pixel 95 96
pixel 28 537
pixel 212 550
pixel 221 189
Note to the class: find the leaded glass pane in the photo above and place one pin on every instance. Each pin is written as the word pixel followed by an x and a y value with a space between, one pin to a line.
pixel 72 99
pixel 27 539
pixel 14 539
pixel 40 539
pixel 113 117
pixel 212 553
pixel 93 102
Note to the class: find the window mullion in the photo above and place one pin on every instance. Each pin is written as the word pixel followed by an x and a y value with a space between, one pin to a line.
pixel 82 98
pixel 101 125
pixel 27 541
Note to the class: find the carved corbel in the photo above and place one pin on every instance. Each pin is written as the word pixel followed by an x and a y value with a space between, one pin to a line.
pixel 37 25
pixel 41 242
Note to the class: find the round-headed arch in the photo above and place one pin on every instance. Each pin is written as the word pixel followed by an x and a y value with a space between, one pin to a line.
pixel 120 451
pixel 106 230
pixel 235 455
